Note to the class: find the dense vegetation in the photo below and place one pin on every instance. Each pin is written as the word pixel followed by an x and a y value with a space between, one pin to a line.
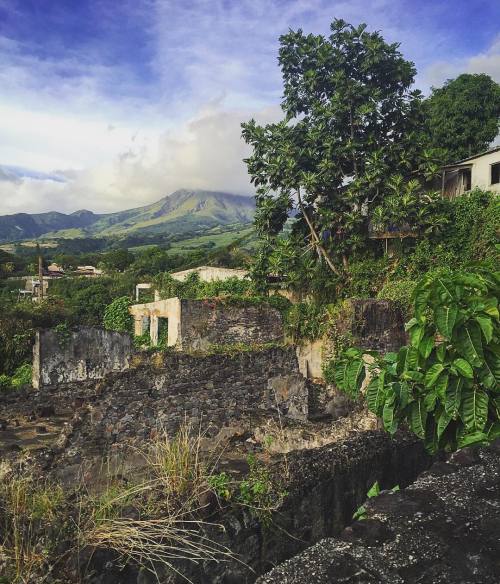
pixel 446 384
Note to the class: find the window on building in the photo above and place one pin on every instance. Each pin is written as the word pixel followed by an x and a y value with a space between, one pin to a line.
pixel 495 173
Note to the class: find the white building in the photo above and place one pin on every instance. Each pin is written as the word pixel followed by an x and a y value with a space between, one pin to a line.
pixel 481 170
pixel 211 273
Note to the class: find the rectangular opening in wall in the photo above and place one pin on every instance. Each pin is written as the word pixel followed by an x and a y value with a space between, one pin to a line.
pixel 466 179
pixel 162 332
pixel 495 173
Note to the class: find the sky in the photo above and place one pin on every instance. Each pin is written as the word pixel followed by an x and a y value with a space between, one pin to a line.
pixel 111 104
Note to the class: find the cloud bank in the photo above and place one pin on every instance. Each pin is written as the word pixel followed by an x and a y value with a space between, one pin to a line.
pixel 111 105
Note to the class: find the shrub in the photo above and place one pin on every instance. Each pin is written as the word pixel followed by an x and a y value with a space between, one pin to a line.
pixel 117 316
pixel 22 376
pixel 305 321
pixel 445 385
pixel 400 292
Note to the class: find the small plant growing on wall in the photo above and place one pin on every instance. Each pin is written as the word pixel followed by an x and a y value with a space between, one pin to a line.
pixel 63 334
pixel 446 384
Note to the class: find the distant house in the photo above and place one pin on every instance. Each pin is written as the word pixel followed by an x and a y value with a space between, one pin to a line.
pixel 205 273
pixel 211 273
pixel 88 271
pixel 53 271
pixel 481 170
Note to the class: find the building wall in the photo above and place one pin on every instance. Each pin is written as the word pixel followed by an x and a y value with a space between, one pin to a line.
pixel 87 353
pixel 211 322
pixel 211 273
pixel 481 172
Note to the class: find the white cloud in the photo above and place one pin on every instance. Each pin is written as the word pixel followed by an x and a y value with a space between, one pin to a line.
pixel 207 152
pixel 125 133
pixel 486 62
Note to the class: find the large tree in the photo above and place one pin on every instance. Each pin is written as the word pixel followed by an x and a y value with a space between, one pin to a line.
pixel 463 116
pixel 351 121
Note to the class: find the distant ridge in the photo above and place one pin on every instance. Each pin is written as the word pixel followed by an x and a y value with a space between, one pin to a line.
pixel 182 211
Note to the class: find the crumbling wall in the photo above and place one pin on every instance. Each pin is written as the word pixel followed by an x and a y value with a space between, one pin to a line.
pixel 83 354
pixel 163 391
pixel 369 324
pixel 212 322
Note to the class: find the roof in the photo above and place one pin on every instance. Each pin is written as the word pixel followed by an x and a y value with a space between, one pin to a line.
pixel 465 160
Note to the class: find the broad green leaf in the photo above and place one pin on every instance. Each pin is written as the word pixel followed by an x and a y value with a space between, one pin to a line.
pixel 430 400
pixel 468 438
pixel 414 375
pixel 444 289
pixel 407 359
pixel 403 393
pixel 389 418
pixel 493 431
pixel 410 324
pixel 416 334
pixel 443 421
pixel 441 352
pixel 353 352
pixel 472 280
pixel 469 343
pixel 341 376
pixel 421 298
pixel 441 385
pixel 375 394
pixel 355 376
pixel 474 409
pixel 492 362
pixel 453 396
pixel 491 307
pixel 374 490
pixel 464 368
pixel 390 357
pixel 486 326
pixel 426 345
pixel 418 418
pixel 445 318
pixel 432 374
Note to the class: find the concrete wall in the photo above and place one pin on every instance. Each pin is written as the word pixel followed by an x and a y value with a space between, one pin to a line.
pixel 146 316
pixel 481 172
pixel 209 322
pixel 87 353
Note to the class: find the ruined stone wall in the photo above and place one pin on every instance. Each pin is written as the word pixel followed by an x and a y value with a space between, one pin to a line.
pixel 86 353
pixel 209 391
pixel 209 322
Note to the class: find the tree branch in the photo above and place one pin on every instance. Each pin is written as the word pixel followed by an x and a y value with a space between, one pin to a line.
pixel 315 238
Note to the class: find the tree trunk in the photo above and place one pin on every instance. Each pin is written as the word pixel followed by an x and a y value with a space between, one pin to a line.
pixel 315 238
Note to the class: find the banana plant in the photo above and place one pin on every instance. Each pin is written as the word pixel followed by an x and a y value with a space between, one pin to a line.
pixel 445 385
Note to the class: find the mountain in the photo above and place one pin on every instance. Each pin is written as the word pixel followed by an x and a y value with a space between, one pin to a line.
pixel 182 211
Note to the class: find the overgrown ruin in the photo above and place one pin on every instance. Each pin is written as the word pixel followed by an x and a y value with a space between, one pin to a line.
pixel 98 402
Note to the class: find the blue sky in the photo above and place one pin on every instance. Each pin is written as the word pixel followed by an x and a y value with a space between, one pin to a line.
pixel 106 104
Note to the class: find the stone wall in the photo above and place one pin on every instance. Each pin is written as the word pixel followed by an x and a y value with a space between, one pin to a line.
pixel 370 324
pixel 209 322
pixel 86 353
pixel 163 391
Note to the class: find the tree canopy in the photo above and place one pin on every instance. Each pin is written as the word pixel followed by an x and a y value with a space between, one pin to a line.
pixel 351 122
pixel 463 116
